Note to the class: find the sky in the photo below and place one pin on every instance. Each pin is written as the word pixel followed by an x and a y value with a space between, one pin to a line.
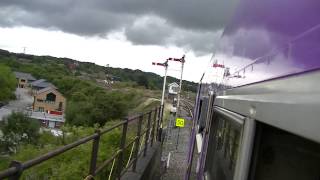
pixel 122 33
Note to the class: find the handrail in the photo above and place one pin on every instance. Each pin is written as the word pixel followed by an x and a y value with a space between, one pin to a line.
pixel 16 168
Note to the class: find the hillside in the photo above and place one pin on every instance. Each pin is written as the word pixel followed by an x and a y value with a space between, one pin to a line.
pixel 91 71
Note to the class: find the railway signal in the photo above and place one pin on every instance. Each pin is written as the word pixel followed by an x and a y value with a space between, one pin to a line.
pixel 165 64
pixel 182 61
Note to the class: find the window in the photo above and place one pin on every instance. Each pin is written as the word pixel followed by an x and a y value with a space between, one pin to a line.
pixel 23 80
pixel 51 97
pixel 281 155
pixel 222 153
pixel 41 109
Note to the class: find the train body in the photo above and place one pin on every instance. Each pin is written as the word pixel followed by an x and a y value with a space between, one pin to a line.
pixel 261 119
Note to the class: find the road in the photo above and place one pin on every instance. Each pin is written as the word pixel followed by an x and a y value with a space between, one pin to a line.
pixel 23 101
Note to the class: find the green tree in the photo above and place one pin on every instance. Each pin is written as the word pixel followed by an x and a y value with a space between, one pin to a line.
pixel 7 83
pixel 143 81
pixel 18 128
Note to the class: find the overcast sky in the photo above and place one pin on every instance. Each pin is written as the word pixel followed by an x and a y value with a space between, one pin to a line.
pixel 122 33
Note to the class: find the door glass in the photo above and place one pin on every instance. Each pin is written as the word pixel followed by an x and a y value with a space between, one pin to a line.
pixel 223 148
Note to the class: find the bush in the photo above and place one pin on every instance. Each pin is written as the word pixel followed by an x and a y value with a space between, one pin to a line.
pixel 7 83
pixel 18 128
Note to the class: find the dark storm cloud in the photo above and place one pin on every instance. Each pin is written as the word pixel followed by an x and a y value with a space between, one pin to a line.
pixel 187 23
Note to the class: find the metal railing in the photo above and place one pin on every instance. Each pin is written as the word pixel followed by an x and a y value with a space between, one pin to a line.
pixel 147 124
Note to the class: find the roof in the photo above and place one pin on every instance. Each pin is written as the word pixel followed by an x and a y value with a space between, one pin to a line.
pixel 45 89
pixel 38 81
pixel 42 83
pixel 23 75
pixel 173 84
pixel 49 89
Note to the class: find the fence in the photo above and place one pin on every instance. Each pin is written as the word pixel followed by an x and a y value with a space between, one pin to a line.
pixel 148 128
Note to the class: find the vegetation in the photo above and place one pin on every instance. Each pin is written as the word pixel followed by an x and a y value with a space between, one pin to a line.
pixel 89 106
pixel 87 103
pixel 73 164
pixel 18 129
pixel 7 83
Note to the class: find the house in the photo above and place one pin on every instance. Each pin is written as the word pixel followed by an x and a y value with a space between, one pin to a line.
pixel 24 79
pixel 48 107
pixel 173 89
pixel 49 100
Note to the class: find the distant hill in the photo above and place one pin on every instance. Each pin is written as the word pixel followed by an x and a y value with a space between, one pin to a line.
pixel 88 69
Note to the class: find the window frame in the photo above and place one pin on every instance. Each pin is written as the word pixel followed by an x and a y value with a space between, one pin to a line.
pixel 247 133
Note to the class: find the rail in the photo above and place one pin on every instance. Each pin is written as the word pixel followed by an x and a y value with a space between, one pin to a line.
pixel 188 106
pixel 151 132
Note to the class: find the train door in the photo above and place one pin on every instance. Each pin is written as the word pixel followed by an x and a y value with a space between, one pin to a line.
pixel 229 148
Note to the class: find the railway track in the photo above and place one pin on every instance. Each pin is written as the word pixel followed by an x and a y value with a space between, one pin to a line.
pixel 188 105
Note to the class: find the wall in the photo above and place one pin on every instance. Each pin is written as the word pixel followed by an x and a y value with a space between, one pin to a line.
pixel 46 105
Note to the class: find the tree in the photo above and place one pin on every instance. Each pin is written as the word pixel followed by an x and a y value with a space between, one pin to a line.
pixel 143 81
pixel 7 83
pixel 18 128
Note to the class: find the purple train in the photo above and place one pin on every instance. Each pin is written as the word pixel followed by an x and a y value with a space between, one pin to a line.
pixel 261 119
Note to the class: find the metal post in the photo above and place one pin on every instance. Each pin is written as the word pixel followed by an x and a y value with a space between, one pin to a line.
pixel 136 152
pixel 153 125
pixel 163 93
pixel 164 82
pixel 147 134
pixel 17 165
pixel 160 122
pixel 122 146
pixel 94 153
pixel 159 129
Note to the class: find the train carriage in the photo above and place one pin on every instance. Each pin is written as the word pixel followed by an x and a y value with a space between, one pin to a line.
pixel 261 119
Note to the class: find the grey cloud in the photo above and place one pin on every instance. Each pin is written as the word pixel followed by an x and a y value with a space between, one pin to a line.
pixel 153 30
pixel 187 23
pixel 148 30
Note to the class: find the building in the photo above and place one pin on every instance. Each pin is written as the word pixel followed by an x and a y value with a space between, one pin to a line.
pixel 49 100
pixel 173 90
pixel 24 79
pixel 48 107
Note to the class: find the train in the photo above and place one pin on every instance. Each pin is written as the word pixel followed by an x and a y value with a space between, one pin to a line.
pixel 257 111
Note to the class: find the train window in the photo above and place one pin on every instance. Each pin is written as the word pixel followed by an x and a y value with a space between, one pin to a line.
pixel 203 113
pixel 223 148
pixel 281 155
